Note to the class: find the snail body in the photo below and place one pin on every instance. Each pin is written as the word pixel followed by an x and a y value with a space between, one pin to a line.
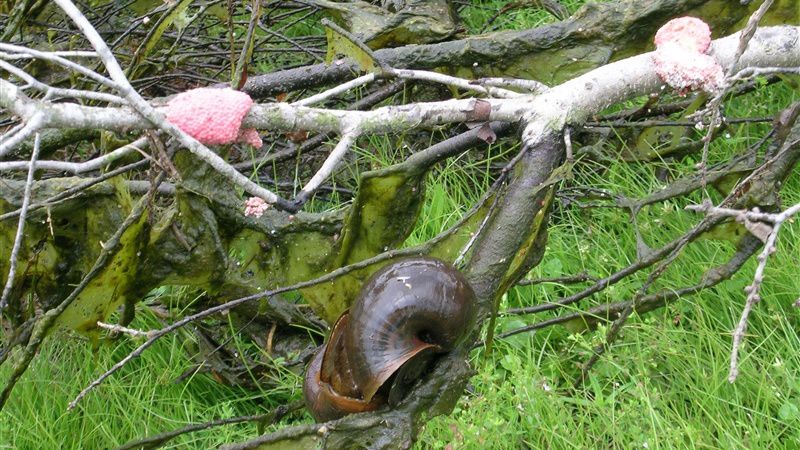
pixel 406 314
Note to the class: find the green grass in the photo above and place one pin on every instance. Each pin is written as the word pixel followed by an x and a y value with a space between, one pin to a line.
pixel 663 387
pixel 476 15
pixel 664 383
pixel 142 399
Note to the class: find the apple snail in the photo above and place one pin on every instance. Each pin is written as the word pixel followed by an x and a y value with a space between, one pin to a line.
pixel 407 314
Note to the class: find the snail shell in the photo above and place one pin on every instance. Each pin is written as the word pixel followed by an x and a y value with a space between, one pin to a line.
pixel 406 314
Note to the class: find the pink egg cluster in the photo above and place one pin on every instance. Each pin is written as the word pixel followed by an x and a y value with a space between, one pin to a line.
pixel 680 58
pixel 255 207
pixel 213 116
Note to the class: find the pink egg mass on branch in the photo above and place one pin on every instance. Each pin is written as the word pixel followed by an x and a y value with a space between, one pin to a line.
pixel 681 60
pixel 213 116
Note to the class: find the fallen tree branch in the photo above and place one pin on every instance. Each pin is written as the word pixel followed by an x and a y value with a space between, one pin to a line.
pixel 594 26
pixel 571 102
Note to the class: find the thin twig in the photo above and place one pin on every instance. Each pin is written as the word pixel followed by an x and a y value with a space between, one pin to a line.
pixel 747 34
pixel 330 164
pixel 32 125
pixel 715 105
pixel 753 297
pixel 671 123
pixel 569 279
pixel 160 439
pixel 622 318
pixel 710 278
pixel 11 131
pixel 366 421
pixel 530 86
pixel 77 189
pixel 623 273
pixel 26 199
pixel 752 290
pixel 751 72
pixel 81 167
pixel 344 87
pixel 54 57
pixel 114 328
pixel 51 91
pixel 493 190
pixel 474 237
pixel 291 41
pixel 240 72
pixel 436 77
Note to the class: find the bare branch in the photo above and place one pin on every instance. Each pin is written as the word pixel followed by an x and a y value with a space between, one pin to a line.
pixel 56 58
pixel 461 83
pixel 530 86
pixel 342 88
pixel 32 125
pixel 752 290
pixel 333 160
pixel 266 418
pixel 568 279
pixel 114 328
pixel 572 102
pixel 51 92
pixel 747 33
pixel 82 167
pixel 710 278
pixel 26 200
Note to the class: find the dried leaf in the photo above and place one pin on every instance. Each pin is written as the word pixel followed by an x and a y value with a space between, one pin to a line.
pixel 339 44
pixel 486 134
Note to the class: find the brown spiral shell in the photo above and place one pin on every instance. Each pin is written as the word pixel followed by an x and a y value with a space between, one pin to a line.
pixel 406 314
